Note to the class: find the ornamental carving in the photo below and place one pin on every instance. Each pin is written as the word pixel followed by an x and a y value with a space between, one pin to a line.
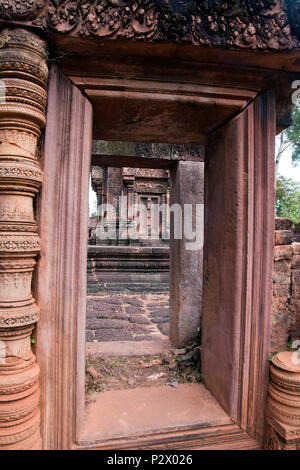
pixel 152 188
pixel 151 173
pixel 13 244
pixel 12 213
pixel 23 75
pixel 272 24
pixel 20 172
pixel 20 9
pixel 283 406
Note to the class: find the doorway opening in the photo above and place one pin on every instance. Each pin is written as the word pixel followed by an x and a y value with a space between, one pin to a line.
pixel 139 234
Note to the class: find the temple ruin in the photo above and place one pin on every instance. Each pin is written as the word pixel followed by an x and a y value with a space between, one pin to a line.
pixel 195 92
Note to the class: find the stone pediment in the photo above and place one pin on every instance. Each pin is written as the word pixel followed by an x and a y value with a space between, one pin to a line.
pixel 268 24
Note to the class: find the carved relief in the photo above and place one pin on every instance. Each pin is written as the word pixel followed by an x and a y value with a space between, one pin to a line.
pixel 23 70
pixel 270 24
pixel 151 173
pixel 20 9
pixel 8 212
pixel 283 407
pixel 152 188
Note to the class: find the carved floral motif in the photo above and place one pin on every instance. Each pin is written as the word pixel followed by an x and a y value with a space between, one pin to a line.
pixel 20 9
pixel 22 114
pixel 283 406
pixel 270 24
pixel 10 212
pixel 152 188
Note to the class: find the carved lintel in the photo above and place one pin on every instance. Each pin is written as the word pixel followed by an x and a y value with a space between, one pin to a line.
pixel 268 24
pixel 23 80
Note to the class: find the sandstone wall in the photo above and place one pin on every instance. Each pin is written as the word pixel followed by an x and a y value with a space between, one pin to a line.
pixel 286 286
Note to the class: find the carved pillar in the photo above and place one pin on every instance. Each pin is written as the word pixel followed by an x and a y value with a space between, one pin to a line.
pixel 283 407
pixel 23 75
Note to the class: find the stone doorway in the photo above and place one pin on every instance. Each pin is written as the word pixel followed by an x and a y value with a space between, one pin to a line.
pixel 128 282
pixel 128 254
pixel 227 309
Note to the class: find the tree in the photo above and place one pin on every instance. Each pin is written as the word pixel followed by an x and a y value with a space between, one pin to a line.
pixel 290 138
pixel 288 199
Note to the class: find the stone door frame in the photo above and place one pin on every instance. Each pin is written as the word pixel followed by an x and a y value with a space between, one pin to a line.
pixel 237 301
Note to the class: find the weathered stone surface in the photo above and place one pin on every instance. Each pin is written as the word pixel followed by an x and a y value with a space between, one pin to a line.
pixel 282 223
pixel 280 325
pixel 294 324
pixel 112 314
pixel 108 324
pixel 283 237
pixel 139 319
pixel 280 303
pixel 135 302
pixel 296 231
pixel 296 248
pixel 281 290
pixel 286 292
pixel 164 328
pixel 113 335
pixel 283 266
pixel 107 318
pixel 238 24
pixel 186 255
pixel 89 336
pixel 132 310
pixel 283 252
pixel 296 262
pixel 296 283
pixel 161 312
pixel 157 305
pixel 282 278
pixel 23 79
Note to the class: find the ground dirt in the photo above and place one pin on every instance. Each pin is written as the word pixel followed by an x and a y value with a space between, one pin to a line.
pixel 175 367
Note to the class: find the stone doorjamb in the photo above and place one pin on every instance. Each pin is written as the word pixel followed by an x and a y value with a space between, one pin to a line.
pixel 235 367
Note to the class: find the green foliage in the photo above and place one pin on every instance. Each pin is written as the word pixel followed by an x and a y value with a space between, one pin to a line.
pixel 293 135
pixel 288 199
pixel 270 356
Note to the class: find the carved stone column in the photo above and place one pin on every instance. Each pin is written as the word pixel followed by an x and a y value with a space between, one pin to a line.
pixel 23 79
pixel 283 407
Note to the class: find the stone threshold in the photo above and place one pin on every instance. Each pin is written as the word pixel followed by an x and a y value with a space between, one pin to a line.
pixel 130 414
pixel 129 348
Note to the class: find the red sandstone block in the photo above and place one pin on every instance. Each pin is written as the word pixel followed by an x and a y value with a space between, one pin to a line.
pixel 296 276
pixel 279 304
pixel 282 278
pixel 282 223
pixel 283 252
pixel 283 237
pixel 281 290
pixel 282 265
pixel 296 248
pixel 296 284
pixel 295 262
pixel 294 308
